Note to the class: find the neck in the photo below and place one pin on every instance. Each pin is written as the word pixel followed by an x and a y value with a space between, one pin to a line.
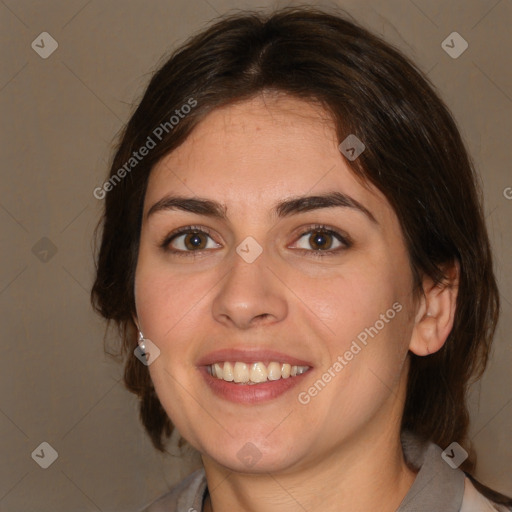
pixel 362 475
pixel 365 470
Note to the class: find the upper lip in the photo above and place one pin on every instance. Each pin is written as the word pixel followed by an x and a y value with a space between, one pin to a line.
pixel 249 356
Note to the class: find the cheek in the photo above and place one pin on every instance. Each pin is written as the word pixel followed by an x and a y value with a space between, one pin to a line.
pixel 152 301
pixel 168 308
pixel 366 311
pixel 165 299
pixel 352 299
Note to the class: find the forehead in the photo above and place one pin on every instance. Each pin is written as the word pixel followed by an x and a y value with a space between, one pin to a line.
pixel 252 154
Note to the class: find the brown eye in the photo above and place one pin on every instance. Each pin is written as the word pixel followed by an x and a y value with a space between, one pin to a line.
pixel 320 240
pixel 195 241
pixel 189 240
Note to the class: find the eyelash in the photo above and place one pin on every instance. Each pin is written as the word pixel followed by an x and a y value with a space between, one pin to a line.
pixel 343 238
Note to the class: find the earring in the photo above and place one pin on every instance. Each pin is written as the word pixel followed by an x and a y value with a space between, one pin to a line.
pixel 141 343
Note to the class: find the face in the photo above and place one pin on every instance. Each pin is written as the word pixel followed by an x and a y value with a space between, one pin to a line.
pixel 314 283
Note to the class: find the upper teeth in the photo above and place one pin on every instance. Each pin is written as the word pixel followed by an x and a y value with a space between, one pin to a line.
pixel 254 372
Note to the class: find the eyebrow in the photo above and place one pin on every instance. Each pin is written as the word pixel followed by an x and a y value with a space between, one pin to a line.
pixel 286 208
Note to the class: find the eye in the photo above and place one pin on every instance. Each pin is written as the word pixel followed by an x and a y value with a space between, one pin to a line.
pixel 319 240
pixel 323 240
pixel 189 239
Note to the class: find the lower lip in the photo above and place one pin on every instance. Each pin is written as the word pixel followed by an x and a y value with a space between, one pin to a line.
pixel 250 393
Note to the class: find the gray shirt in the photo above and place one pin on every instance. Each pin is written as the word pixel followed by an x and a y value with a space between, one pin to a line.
pixel 437 487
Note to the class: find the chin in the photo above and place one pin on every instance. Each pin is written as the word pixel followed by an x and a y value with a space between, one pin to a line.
pixel 246 454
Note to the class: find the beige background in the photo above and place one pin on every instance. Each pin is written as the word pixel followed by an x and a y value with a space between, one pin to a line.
pixel 60 116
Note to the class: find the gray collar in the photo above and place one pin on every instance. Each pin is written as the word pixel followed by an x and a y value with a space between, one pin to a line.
pixel 437 486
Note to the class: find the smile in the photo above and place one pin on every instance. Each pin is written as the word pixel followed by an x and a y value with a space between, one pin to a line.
pixel 254 373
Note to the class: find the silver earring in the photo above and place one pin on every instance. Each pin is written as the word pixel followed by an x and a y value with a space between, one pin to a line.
pixel 141 343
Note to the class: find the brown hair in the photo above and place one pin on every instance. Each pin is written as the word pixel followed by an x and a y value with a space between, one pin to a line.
pixel 414 155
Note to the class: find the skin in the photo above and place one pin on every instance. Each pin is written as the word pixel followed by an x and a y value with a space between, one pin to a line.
pixel 329 454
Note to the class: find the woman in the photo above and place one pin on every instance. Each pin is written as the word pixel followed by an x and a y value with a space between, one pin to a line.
pixel 294 250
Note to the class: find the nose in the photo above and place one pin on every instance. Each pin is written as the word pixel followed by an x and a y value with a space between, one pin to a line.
pixel 250 295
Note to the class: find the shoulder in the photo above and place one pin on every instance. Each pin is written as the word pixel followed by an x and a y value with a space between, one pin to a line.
pixel 185 496
pixel 474 501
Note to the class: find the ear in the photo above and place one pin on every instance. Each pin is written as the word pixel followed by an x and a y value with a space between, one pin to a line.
pixel 136 321
pixel 435 312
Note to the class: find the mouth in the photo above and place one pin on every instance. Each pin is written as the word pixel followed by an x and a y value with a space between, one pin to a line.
pixel 254 373
pixel 251 376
